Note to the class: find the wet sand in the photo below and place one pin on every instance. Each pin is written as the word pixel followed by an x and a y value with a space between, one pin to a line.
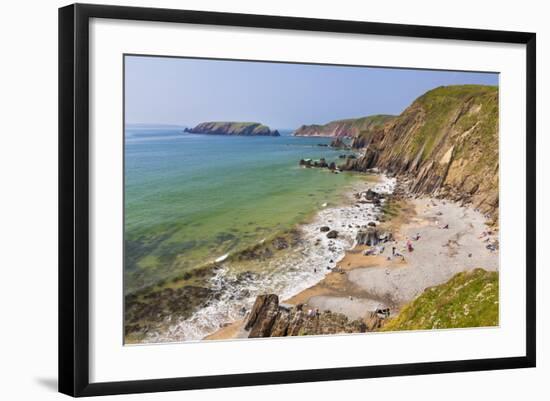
pixel 361 284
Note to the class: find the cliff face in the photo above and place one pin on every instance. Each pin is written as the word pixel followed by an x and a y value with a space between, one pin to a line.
pixel 446 142
pixel 233 128
pixel 344 128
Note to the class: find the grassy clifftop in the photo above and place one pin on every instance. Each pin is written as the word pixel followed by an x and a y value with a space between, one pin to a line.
pixel 351 127
pixel 458 109
pixel 447 142
pixel 233 128
pixel 469 299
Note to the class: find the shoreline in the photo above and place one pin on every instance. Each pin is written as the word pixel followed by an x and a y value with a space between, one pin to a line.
pixel 361 284
pixel 287 272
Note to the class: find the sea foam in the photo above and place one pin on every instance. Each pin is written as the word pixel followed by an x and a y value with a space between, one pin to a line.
pixel 286 274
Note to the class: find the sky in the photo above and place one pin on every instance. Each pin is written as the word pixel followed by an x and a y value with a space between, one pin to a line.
pixel 184 91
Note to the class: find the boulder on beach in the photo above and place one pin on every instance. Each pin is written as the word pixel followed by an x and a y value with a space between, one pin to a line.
pixel 367 237
pixel 324 229
pixel 332 234
pixel 371 195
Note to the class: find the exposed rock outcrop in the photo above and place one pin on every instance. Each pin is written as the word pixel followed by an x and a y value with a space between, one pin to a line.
pixel 145 310
pixel 351 127
pixel 338 143
pixel 322 163
pixel 268 318
pixel 232 128
pixel 445 143
pixel 368 237
pixel 263 315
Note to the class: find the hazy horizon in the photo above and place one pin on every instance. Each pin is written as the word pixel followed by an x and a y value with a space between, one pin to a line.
pixel 185 92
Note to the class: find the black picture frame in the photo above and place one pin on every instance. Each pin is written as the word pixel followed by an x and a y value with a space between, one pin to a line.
pixel 74 198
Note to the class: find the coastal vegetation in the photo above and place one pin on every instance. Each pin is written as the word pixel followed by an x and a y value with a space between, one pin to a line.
pixel 446 142
pixel 469 299
pixel 351 127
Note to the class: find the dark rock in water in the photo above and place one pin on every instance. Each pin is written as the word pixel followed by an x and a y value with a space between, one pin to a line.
pixel 263 315
pixel 332 166
pixel 149 307
pixel 332 234
pixel 338 143
pixel 321 163
pixel 368 237
pixel 305 162
pixel 324 229
pixel 247 276
pixel 322 144
pixel 280 243
pixel 371 224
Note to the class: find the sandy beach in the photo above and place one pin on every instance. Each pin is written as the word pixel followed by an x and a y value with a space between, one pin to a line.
pixel 368 282
pixel 446 239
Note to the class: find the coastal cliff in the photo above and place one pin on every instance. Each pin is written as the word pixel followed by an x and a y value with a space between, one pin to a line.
pixel 351 127
pixel 232 129
pixel 445 143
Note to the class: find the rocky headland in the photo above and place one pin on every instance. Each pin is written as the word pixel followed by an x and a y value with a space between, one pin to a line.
pixel 351 127
pixel 232 129
pixel 430 258
pixel 445 143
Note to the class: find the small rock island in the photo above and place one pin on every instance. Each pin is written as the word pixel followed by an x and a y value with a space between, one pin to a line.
pixel 233 129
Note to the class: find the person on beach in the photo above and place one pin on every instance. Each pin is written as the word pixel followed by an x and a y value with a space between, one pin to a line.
pixel 409 246
pixel 393 250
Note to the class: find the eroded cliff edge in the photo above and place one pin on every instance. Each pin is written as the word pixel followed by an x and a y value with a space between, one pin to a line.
pixel 446 143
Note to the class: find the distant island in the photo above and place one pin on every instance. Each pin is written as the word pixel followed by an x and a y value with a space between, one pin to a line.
pixel 233 129
pixel 350 127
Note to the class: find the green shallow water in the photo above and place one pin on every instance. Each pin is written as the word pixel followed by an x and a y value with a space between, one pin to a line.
pixel 190 199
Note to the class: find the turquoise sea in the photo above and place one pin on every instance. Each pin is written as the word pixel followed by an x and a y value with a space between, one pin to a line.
pixel 190 199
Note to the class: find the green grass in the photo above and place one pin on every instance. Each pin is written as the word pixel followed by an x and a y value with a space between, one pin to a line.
pixel 442 103
pixel 469 299
pixel 353 126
